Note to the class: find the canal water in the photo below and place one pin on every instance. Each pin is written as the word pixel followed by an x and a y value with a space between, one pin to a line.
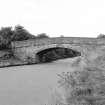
pixel 31 84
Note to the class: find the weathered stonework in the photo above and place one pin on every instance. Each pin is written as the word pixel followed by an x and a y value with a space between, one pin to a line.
pixel 24 50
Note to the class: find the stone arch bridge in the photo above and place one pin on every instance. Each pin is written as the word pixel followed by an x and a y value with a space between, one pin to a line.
pixel 29 48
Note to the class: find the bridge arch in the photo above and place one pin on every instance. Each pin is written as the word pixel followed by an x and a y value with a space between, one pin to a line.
pixel 61 45
pixel 50 53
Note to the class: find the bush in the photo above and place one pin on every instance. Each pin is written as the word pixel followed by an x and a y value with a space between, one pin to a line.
pixel 101 36
pixel 42 35
pixel 21 34
pixel 84 87
pixel 7 35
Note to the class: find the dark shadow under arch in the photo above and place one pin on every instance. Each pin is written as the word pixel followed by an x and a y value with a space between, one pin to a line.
pixel 51 54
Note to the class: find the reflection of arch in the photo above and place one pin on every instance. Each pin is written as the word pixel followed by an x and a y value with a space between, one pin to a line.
pixel 56 51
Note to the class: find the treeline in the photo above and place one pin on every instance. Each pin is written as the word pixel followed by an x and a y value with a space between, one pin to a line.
pixel 19 33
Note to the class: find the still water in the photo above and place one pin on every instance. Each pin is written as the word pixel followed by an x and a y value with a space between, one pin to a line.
pixel 30 84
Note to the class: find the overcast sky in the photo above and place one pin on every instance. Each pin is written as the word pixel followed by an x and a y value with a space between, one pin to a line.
pixel 82 18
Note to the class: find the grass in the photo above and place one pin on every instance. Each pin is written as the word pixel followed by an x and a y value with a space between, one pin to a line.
pixel 84 87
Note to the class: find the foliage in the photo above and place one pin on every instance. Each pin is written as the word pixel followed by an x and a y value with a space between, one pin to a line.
pixel 21 34
pixel 101 36
pixel 42 35
pixel 84 87
pixel 61 35
pixel 7 34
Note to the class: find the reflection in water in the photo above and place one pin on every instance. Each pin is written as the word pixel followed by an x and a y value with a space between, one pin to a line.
pixel 52 54
pixel 32 84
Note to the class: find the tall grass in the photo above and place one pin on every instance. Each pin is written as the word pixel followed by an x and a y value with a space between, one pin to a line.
pixel 82 87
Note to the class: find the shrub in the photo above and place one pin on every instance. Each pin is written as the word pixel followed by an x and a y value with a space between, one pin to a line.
pixel 101 36
pixel 84 86
pixel 7 35
pixel 42 35
pixel 21 34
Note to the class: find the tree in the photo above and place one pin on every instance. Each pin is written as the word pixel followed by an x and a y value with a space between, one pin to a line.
pixel 42 35
pixel 101 36
pixel 61 35
pixel 6 34
pixel 21 34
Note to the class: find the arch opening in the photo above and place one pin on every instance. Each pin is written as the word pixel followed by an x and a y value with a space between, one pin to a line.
pixel 52 54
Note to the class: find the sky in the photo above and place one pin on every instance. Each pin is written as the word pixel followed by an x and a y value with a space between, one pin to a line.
pixel 76 18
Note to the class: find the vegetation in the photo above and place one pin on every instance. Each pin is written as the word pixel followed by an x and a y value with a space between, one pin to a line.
pixel 19 33
pixel 42 35
pixel 85 86
pixel 7 35
pixel 101 36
